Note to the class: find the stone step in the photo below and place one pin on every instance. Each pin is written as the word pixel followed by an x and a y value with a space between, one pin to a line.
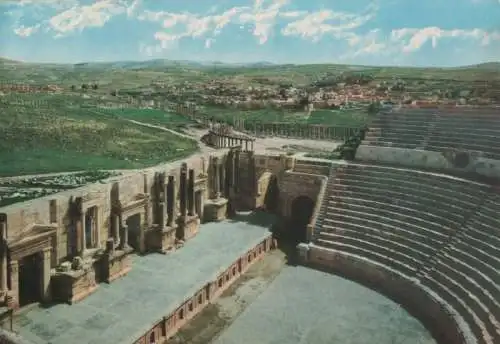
pixel 400 220
pixel 446 277
pixel 403 192
pixel 465 255
pixel 371 243
pixel 432 181
pixel 421 218
pixel 418 247
pixel 389 203
pixel 383 226
pixel 477 326
pixel 374 256
pixel 481 279
pixel 478 252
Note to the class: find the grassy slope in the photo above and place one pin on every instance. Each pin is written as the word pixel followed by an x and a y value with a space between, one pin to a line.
pixel 54 139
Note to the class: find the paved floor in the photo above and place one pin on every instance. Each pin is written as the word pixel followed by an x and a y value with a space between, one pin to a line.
pixel 124 310
pixel 305 306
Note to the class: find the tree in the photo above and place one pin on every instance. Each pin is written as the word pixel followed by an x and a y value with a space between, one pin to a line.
pixel 73 87
pixel 95 86
pixel 85 87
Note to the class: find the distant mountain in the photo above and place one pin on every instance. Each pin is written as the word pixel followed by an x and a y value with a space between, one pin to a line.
pixel 485 66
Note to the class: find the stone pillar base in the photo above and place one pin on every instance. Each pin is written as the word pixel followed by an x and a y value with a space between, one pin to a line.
pixel 191 226
pixel 161 240
pixel 116 264
pixel 215 209
pixel 73 286
pixel 303 250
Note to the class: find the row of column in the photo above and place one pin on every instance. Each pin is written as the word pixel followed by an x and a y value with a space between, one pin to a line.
pixel 301 130
pixel 229 141
pixel 225 174
pixel 167 199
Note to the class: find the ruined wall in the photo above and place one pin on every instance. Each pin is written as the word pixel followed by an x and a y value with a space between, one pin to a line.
pixel 454 161
pixel 22 216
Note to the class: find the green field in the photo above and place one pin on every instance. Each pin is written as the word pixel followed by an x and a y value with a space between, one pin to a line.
pixel 169 120
pixel 354 117
pixel 54 139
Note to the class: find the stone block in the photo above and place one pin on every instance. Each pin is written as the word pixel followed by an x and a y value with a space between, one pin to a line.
pixel 215 209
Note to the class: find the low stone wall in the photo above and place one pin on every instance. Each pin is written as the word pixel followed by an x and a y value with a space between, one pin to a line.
pixel 446 328
pixel 473 163
pixel 189 308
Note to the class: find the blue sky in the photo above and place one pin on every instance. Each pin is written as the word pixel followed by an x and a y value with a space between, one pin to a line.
pixel 370 32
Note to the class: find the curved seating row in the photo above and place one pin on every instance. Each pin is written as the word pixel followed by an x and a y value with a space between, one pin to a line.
pixel 434 229
pixel 437 130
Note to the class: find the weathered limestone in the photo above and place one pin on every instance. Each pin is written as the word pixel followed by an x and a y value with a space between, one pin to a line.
pixel 188 222
pixel 216 206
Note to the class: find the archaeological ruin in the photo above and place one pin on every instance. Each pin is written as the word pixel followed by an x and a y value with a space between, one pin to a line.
pixel 415 215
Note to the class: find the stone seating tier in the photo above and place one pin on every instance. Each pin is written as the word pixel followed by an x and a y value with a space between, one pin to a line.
pixel 443 232
pixel 438 130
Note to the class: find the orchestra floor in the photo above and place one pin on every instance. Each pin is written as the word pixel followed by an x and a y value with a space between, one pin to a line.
pixel 305 306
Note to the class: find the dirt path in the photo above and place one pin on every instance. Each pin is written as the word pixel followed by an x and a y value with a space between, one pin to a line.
pixel 216 317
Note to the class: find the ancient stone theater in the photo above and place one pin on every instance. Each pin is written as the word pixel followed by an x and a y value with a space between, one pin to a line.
pixel 414 215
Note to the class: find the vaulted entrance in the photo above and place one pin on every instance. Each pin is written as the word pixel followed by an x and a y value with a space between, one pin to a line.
pixel 271 199
pixel 300 216
pixel 30 269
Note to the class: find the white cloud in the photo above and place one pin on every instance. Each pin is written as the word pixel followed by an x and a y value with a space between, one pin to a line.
pixel 264 19
pixel 26 31
pixel 73 16
pixel 317 24
pixel 413 39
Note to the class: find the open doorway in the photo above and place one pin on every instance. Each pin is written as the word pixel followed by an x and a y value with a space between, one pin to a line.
pixel 30 279
pixel 134 231
pixel 272 196
pixel 300 216
pixel 91 227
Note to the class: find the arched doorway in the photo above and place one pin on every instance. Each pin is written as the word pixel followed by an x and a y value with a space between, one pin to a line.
pixel 271 199
pixel 300 216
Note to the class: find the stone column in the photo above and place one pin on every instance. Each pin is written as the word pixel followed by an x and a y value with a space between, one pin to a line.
pixel 246 145
pixel 3 257
pixel 45 280
pixel 215 178
pixel 236 186
pixel 14 282
pixel 115 227
pixel 230 170
pixel 183 190
pixel 124 235
pixel 190 190
pixel 83 235
pixel 222 178
pixel 171 201
pixel 251 171
pixel 162 215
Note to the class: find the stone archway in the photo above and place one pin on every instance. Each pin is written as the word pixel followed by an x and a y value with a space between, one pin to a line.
pixel 271 198
pixel 300 215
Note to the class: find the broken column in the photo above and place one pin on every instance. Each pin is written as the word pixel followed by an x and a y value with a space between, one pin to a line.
pixel 216 206
pixel 183 190
pixel 171 201
pixel 190 191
